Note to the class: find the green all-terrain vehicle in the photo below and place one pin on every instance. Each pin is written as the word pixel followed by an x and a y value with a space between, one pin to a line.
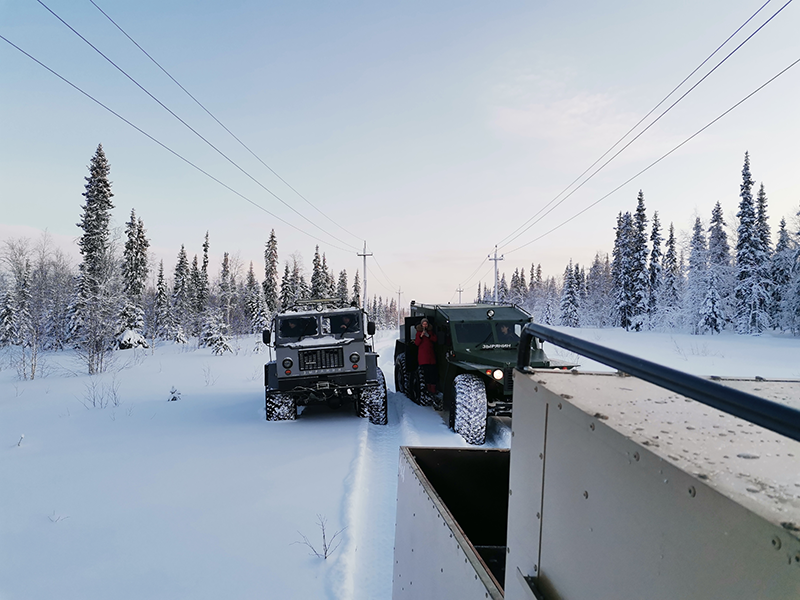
pixel 323 356
pixel 476 351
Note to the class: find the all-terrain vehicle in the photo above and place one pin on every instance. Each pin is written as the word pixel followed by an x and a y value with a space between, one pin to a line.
pixel 323 356
pixel 476 351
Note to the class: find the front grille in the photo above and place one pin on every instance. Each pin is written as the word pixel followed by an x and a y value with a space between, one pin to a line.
pixel 508 380
pixel 323 358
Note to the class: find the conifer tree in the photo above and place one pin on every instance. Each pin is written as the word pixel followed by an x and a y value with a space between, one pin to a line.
pixel 357 290
pixel 181 303
pixel 255 306
pixel 162 321
pixel 287 293
pixel 621 271
pixel 752 294
pixel 719 261
pixel 271 273
pixel 696 278
pixel 670 291
pixel 95 308
pixel 781 266
pixel 134 259
pixel 202 291
pixel 569 299
pixel 226 287
pixel 319 279
pixel 639 281
pixel 711 318
pixel 341 288
pixel 654 273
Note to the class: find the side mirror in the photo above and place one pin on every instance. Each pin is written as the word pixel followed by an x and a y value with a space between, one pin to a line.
pixel 371 328
pixel 265 335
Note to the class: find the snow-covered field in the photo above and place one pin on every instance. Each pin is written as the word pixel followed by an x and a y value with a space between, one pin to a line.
pixel 202 498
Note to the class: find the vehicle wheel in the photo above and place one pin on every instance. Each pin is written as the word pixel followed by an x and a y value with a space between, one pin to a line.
pixel 470 408
pixel 362 403
pixel 400 374
pixel 425 397
pixel 378 401
pixel 281 407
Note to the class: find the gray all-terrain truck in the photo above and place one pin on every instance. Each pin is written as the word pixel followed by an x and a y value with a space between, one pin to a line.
pixel 323 356
pixel 476 351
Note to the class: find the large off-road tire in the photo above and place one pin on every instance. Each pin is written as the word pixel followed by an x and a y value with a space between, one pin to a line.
pixel 362 403
pixel 281 407
pixel 400 375
pixel 469 405
pixel 425 397
pixel 376 398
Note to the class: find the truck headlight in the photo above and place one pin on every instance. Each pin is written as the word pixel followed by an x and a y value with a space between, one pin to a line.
pixel 287 363
pixel 497 374
pixel 354 357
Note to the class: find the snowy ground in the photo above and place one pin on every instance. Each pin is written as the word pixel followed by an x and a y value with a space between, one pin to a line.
pixel 202 498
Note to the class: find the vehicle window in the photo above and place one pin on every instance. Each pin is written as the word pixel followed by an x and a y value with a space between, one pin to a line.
pixel 326 325
pixel 294 327
pixel 505 332
pixel 474 333
pixel 345 323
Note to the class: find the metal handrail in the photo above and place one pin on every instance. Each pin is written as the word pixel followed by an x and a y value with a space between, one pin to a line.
pixel 766 413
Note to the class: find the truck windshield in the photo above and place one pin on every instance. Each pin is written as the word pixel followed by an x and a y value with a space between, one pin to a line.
pixel 473 333
pixel 296 327
pixel 345 323
pixel 505 332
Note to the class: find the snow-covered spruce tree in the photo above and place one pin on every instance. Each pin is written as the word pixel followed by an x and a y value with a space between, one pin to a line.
pixel 752 293
pixel 256 307
pixel 478 296
pixel 271 273
pixel 181 305
pixel 96 303
pixel 671 288
pixel 621 271
pixel 130 326
pixel 341 288
pixel 357 290
pixel 762 220
pixel 654 273
pixel 162 324
pixel 639 277
pixel 502 290
pixel 225 289
pixel 696 278
pixel 195 292
pixel 569 315
pixel 711 316
pixel 719 261
pixel 287 293
pixel 319 279
pixel 214 334
pixel 202 289
pixel 598 293
pixel 330 280
pixel 783 260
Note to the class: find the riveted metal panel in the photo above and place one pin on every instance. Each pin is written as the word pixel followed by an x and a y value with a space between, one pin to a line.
pixel 619 521
pixel 433 558
pixel 528 431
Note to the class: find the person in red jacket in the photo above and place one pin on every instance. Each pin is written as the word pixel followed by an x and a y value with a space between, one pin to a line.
pixel 426 357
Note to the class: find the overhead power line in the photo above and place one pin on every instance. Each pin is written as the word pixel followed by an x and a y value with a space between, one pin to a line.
pixel 168 149
pixel 529 224
pixel 193 130
pixel 654 163
pixel 210 114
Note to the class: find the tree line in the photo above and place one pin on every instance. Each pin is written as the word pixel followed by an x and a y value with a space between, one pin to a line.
pixel 110 302
pixel 712 284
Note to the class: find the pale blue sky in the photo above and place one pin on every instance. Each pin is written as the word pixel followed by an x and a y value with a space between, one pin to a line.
pixel 430 129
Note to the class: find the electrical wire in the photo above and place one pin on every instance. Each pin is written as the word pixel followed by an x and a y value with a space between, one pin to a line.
pixel 528 224
pixel 380 282
pixel 234 136
pixel 647 168
pixel 392 283
pixel 193 130
pixel 167 148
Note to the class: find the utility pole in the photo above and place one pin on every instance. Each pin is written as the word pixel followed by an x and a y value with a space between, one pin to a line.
pixel 496 281
pixel 399 322
pixel 364 273
pixel 459 290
